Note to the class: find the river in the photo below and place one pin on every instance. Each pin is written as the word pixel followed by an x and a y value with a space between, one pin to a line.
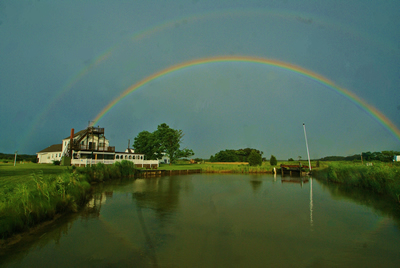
pixel 214 220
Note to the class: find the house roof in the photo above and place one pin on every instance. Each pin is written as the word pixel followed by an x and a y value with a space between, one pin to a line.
pixel 52 148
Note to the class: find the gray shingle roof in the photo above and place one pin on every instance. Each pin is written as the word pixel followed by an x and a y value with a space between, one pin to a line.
pixel 77 133
pixel 52 148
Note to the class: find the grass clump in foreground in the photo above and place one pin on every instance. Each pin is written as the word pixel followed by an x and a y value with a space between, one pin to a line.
pixel 382 178
pixel 41 196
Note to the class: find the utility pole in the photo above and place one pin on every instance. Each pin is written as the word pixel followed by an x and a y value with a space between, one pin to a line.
pixel 15 158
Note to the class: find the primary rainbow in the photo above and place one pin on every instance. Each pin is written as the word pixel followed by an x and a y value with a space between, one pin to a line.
pixel 372 111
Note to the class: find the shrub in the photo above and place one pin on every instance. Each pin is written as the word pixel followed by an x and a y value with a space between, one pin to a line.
pixel 273 161
pixel 255 158
pixel 56 162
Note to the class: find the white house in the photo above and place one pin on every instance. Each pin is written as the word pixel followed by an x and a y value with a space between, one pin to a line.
pixel 90 146
pixel 89 143
pixel 396 158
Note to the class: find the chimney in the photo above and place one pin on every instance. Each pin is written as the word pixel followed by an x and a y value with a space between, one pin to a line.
pixel 71 141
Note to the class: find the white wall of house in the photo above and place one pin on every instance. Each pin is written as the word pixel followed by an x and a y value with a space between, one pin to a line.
pixel 396 158
pixel 48 157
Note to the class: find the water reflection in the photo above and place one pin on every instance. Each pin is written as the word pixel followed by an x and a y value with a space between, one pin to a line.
pixel 158 194
pixel 311 203
pixel 256 183
pixel 382 205
pixel 203 220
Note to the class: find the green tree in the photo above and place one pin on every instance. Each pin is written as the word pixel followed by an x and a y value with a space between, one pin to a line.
pixel 290 159
pixel 170 141
pixel 255 158
pixel 273 161
pixel 164 140
pixel 147 144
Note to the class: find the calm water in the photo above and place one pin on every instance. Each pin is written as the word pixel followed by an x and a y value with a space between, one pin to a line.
pixel 215 220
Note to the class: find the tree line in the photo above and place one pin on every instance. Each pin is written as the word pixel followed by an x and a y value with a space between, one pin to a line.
pixel 229 155
pixel 20 157
pixel 383 156
pixel 250 155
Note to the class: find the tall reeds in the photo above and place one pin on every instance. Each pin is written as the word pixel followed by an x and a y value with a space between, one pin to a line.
pixel 31 203
pixel 381 178
pixel 42 197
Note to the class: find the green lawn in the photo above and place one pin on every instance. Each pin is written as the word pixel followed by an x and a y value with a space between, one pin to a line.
pixel 11 176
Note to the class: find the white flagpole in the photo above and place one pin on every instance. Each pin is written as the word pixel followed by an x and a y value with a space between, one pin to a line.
pixel 308 153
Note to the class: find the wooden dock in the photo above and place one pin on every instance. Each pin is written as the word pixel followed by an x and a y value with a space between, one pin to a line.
pixel 294 170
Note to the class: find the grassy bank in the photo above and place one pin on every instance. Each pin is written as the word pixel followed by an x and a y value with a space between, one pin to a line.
pixel 382 178
pixel 28 198
pixel 231 167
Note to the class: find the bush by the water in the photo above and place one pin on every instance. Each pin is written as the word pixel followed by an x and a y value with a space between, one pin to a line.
pixel 101 172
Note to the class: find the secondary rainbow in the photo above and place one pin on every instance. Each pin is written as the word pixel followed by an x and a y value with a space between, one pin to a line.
pixel 372 111
pixel 169 24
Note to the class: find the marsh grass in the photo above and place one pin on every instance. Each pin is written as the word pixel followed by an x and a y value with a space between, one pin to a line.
pixel 382 178
pixel 27 200
pixel 28 204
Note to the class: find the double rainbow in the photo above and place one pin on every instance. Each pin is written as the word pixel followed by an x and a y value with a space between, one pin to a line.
pixel 372 111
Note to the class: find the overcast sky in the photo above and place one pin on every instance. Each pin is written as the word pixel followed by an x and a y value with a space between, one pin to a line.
pixel 62 62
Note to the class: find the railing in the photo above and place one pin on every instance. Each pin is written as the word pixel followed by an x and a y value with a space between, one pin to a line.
pixel 97 130
pixel 80 147
pixel 87 161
